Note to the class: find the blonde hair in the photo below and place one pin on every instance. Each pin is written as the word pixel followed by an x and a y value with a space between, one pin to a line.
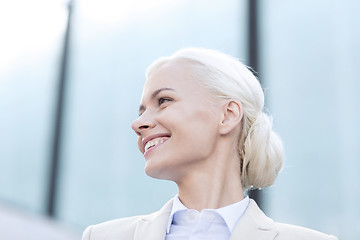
pixel 260 149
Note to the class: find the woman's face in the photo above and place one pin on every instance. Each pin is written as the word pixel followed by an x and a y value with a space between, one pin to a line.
pixel 178 123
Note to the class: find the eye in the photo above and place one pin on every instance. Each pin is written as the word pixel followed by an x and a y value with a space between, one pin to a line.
pixel 163 100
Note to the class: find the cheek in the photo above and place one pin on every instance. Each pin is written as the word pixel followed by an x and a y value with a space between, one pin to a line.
pixel 197 131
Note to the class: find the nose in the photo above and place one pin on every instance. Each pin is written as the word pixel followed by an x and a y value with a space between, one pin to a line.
pixel 142 123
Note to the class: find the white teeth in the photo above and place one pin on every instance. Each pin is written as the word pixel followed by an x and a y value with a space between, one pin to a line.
pixel 154 142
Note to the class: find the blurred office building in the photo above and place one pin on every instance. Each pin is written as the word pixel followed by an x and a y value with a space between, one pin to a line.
pixel 71 76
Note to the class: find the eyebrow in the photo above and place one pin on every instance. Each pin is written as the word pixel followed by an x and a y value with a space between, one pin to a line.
pixel 153 95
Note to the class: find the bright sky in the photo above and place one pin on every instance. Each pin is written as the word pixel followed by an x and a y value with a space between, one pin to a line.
pixel 28 28
pixel 34 28
pixel 118 11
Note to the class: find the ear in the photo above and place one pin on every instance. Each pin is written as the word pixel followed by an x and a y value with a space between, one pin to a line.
pixel 232 115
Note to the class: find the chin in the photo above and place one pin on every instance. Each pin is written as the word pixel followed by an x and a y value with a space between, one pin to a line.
pixel 158 172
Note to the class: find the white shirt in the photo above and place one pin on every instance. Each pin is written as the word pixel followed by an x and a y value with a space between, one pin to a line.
pixel 209 224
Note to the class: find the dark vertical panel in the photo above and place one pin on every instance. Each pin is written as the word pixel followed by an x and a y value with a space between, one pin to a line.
pixel 58 121
pixel 253 61
pixel 253 53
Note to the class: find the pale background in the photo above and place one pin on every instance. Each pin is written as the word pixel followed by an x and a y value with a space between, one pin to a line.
pixel 309 63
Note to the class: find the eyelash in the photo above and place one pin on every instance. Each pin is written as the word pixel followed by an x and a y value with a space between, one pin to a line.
pixel 163 100
pixel 160 101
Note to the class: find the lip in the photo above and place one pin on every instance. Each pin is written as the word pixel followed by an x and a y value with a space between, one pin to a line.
pixel 151 137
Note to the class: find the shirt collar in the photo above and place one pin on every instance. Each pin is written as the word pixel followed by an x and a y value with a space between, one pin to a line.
pixel 176 207
pixel 231 213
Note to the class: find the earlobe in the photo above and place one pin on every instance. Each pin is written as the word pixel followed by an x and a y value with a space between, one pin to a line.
pixel 232 115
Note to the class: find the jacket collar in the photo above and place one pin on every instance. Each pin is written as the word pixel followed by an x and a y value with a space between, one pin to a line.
pixel 153 226
pixel 254 225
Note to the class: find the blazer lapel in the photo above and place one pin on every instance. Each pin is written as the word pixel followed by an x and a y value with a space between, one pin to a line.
pixel 153 226
pixel 254 225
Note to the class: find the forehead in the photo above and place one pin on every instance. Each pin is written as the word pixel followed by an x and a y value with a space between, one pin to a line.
pixel 176 75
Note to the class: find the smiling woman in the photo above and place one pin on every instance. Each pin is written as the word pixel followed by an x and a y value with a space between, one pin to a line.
pixel 202 126
pixel 177 109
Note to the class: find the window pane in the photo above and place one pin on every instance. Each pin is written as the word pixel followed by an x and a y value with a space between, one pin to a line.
pixel 31 39
pixel 311 60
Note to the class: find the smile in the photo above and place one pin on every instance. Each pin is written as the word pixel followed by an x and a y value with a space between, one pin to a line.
pixel 155 143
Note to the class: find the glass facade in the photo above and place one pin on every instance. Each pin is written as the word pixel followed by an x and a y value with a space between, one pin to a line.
pixel 308 54
pixel 30 47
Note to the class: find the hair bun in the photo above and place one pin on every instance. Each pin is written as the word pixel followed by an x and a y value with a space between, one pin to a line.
pixel 262 154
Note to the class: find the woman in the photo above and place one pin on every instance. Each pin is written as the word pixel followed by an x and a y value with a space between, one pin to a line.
pixel 202 125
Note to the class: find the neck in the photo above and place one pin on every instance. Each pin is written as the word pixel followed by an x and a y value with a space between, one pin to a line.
pixel 212 186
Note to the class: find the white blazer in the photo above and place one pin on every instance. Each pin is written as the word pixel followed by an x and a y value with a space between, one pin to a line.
pixel 253 225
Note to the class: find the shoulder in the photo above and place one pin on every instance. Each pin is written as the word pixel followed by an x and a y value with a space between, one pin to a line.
pixel 124 227
pixel 256 220
pixel 288 231
pixel 119 227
